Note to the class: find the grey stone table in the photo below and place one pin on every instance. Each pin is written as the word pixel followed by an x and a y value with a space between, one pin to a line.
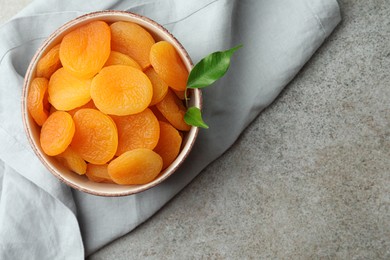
pixel 308 179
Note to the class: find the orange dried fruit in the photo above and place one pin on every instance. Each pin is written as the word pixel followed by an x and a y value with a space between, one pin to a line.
pixel 133 40
pixel 84 50
pixel 98 173
pixel 137 131
pixel 117 58
pixel 169 143
pixel 37 103
pixel 138 166
pixel 52 110
pixel 172 108
pixel 180 94
pixel 90 104
pixel 169 66
pixel 71 160
pixel 49 63
pixel 57 133
pixel 160 88
pixel 96 136
pixel 121 90
pixel 67 92
pixel 158 114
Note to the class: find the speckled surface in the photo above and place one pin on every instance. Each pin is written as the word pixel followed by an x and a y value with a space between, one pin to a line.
pixel 309 178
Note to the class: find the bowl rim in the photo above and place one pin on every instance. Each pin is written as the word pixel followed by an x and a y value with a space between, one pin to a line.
pixel 72 24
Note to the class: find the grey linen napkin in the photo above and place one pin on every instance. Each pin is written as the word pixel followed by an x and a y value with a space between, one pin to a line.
pixel 41 218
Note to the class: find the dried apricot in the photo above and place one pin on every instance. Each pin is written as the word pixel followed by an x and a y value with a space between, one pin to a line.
pixel 57 133
pixel 158 114
pixel 121 90
pixel 138 166
pixel 71 160
pixel 98 173
pixel 137 131
pixel 117 58
pixel 169 66
pixel 133 40
pixel 169 143
pixel 160 88
pixel 90 104
pixel 67 92
pixel 52 110
pixel 96 136
pixel 180 94
pixel 37 100
pixel 49 63
pixel 173 110
pixel 84 50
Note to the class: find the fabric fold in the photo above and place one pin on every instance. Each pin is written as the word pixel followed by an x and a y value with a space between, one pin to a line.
pixel 38 226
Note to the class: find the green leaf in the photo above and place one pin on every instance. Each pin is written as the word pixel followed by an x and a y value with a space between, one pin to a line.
pixel 193 117
pixel 210 69
pixel 206 72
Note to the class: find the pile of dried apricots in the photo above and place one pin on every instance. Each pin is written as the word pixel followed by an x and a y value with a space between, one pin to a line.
pixel 109 100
